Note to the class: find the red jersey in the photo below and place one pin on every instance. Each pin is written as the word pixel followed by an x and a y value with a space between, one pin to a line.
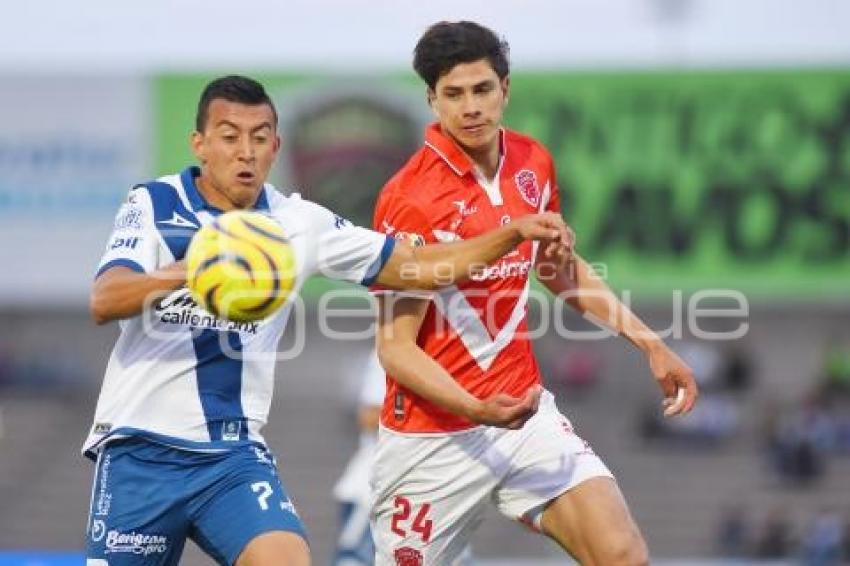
pixel 476 330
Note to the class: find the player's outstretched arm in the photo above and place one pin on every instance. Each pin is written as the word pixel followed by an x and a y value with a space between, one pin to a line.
pixel 120 292
pixel 436 265
pixel 399 321
pixel 588 293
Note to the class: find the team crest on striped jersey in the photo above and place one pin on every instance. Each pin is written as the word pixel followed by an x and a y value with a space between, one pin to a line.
pixel 526 182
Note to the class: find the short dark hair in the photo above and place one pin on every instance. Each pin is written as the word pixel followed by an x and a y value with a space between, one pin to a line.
pixel 233 88
pixel 446 44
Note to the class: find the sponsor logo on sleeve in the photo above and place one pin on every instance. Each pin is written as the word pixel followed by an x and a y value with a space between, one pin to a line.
pixel 340 222
pixel 130 218
pixel 125 243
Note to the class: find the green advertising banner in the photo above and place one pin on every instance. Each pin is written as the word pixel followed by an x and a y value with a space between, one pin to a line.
pixel 736 180
pixel 686 181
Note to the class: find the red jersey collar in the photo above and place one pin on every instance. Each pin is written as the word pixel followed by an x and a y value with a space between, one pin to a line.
pixel 447 149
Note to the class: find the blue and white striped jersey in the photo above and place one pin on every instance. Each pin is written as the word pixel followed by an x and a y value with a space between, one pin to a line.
pixel 178 374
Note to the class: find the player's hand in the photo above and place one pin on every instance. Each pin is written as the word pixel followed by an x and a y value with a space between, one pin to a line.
pixel 558 255
pixel 545 226
pixel 505 411
pixel 675 378
pixel 550 229
pixel 176 270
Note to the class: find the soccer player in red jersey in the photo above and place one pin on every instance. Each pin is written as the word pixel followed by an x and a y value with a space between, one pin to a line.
pixel 456 358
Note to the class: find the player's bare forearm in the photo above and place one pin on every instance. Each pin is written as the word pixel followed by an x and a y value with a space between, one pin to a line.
pixel 417 372
pixel 590 295
pixel 587 293
pixel 398 326
pixel 121 292
pixel 413 369
pixel 437 265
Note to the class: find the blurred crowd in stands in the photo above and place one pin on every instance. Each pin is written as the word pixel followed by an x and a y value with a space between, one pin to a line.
pixel 798 437
pixel 822 539
pixel 801 438
pixel 723 374
pixel 51 372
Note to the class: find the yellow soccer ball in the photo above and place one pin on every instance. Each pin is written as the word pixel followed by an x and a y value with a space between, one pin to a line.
pixel 240 267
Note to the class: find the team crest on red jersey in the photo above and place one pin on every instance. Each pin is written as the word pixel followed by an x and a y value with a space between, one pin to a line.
pixel 526 182
pixel 407 556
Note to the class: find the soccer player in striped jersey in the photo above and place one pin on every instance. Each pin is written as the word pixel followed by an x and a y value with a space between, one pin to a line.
pixel 439 460
pixel 177 428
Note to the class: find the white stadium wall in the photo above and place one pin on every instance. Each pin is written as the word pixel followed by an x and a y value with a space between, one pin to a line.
pixel 69 150
pixel 105 35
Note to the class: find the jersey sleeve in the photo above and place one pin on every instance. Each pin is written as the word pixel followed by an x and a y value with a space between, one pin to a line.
pixel 344 251
pixel 404 222
pixel 133 242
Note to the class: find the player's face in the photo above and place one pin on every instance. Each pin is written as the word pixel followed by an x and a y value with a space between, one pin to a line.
pixel 469 101
pixel 236 150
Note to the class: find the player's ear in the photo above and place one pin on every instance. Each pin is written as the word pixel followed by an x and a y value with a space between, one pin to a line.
pixel 197 143
pixel 505 83
pixel 431 97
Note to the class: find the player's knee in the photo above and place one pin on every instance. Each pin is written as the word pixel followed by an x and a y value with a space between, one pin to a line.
pixel 628 550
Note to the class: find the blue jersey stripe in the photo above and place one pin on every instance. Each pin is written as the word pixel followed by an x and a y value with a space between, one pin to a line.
pixel 219 375
pixel 187 177
pixel 174 221
pixel 378 264
pixel 120 262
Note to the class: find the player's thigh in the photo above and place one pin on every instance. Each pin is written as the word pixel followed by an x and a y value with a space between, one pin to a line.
pixel 137 514
pixel 548 458
pixel 248 510
pixel 592 522
pixel 275 548
pixel 429 498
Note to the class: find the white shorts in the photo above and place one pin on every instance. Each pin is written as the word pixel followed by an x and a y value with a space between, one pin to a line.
pixel 430 489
